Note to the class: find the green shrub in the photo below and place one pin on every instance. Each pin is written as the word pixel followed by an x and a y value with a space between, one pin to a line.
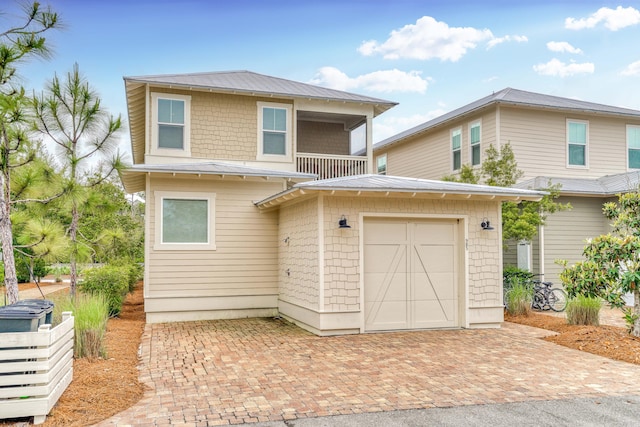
pixel 134 272
pixel 511 273
pixel 110 281
pixel 584 310
pixel 518 298
pixel 91 312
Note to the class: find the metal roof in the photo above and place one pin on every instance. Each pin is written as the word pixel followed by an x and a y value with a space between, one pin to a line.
pixel 607 186
pixel 516 97
pixel 251 83
pixel 133 177
pixel 386 184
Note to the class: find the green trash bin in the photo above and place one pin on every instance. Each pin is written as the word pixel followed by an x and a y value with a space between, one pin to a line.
pixel 21 318
pixel 45 304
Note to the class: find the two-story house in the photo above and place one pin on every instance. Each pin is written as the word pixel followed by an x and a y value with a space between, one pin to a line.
pixel 258 205
pixel 591 150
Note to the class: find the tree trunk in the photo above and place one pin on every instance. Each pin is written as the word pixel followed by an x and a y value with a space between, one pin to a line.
pixel 6 235
pixel 6 232
pixel 636 311
pixel 73 268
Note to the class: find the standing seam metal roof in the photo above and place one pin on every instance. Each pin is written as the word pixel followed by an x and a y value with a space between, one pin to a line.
pixel 513 97
pixel 608 185
pixel 254 83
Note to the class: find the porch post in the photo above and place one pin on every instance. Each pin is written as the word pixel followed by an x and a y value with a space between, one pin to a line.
pixel 369 138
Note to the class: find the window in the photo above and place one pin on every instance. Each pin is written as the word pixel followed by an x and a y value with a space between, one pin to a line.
pixel 274 131
pixel 474 140
pixel 184 221
pixel 170 128
pixel 381 162
pixel 633 146
pixel 577 141
pixel 456 143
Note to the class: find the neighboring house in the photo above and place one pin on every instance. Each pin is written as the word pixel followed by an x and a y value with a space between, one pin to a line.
pixel 591 150
pixel 238 225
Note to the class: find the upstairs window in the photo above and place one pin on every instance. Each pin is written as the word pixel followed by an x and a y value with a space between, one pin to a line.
pixel 633 147
pixel 577 143
pixel 170 131
pixel 171 123
pixel 474 139
pixel 456 144
pixel 274 128
pixel 381 162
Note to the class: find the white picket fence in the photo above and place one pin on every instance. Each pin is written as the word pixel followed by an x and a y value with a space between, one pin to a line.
pixel 35 369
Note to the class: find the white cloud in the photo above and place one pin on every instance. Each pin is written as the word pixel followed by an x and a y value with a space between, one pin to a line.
pixel 498 40
pixel 427 39
pixel 614 19
pixel 632 69
pixel 562 47
pixel 556 67
pixel 385 81
pixel 384 127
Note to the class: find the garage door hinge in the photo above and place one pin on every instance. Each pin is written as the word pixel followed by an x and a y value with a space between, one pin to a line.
pixel 466 244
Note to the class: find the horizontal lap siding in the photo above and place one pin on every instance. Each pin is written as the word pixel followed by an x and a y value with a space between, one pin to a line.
pixel 429 155
pixel 539 142
pixel 423 157
pixel 246 257
pixel 566 232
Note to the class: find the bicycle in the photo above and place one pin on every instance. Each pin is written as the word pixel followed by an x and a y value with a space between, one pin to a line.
pixel 547 298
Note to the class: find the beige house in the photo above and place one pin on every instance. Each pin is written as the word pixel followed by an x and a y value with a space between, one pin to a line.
pixel 591 150
pixel 260 201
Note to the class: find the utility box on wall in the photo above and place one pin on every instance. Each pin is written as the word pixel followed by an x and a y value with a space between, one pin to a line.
pixel 524 255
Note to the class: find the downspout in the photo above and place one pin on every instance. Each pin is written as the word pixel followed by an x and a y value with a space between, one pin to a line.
pixel 498 143
pixel 369 138
pixel 541 260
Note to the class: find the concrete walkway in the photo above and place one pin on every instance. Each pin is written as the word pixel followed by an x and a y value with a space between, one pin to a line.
pixel 266 370
pixel 47 288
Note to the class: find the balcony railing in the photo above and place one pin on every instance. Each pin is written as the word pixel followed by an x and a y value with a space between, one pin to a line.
pixel 331 166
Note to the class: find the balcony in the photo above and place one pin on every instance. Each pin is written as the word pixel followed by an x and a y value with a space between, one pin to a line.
pixel 331 166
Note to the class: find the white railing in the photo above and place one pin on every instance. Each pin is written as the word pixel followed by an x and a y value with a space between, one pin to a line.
pixel 331 166
pixel 35 368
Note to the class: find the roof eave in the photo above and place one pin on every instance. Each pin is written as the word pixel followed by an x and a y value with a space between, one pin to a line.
pixel 294 193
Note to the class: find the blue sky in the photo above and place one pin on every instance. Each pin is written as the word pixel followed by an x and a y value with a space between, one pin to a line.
pixel 429 56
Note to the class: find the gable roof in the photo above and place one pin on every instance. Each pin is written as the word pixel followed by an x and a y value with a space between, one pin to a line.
pixel 250 83
pixel 513 97
pixel 133 178
pixel 606 186
pixel 384 185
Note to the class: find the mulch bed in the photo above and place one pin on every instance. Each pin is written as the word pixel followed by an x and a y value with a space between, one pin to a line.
pixel 103 387
pixel 604 340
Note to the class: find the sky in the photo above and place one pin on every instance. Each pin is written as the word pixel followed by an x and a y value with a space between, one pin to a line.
pixel 429 56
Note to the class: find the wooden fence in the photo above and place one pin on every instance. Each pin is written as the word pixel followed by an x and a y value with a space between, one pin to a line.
pixel 35 368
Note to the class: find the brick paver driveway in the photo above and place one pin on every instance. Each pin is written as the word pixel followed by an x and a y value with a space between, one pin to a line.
pixel 250 370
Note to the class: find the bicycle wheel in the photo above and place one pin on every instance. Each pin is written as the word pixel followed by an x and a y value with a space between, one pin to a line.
pixel 538 301
pixel 557 299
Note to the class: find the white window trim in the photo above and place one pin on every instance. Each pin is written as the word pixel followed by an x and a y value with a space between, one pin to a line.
pixel 287 157
pixel 586 145
pixel 386 165
pixel 154 149
pixel 628 148
pixel 211 209
pixel 471 125
pixel 451 150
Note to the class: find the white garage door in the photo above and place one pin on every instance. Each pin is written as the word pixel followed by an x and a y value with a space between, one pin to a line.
pixel 410 274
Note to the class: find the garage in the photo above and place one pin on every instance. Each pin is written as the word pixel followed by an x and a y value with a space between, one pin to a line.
pixel 411 270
